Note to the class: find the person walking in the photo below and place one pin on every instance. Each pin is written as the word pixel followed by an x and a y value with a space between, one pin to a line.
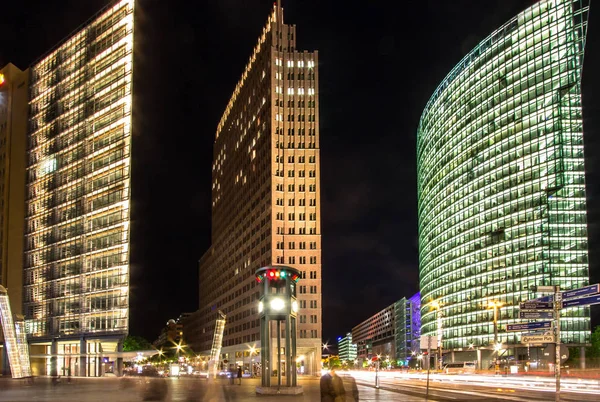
pixel 239 373
pixel 332 387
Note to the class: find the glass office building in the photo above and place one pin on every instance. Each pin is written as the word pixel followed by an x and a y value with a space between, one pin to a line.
pixel 501 181
pixel 76 262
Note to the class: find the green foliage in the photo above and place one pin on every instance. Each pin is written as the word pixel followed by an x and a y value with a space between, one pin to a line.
pixel 135 343
pixel 332 361
pixel 594 350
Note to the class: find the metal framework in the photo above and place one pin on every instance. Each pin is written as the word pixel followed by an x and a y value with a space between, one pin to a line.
pixel 15 340
pixel 215 352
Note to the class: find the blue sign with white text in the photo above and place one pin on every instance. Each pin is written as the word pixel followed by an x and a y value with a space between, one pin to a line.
pixel 584 291
pixel 584 301
pixel 529 326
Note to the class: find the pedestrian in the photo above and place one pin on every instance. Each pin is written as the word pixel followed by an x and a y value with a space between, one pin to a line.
pixel 332 387
pixel 231 374
pixel 239 373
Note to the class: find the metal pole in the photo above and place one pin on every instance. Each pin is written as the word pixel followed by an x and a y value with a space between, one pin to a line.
pixel 278 354
pixel 440 331
pixel 428 365
pixel 557 304
pixel 496 363
pixel 495 325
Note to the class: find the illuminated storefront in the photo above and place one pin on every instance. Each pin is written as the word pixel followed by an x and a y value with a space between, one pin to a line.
pixel 501 180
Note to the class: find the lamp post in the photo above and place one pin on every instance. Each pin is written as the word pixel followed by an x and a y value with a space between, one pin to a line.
pixel 495 305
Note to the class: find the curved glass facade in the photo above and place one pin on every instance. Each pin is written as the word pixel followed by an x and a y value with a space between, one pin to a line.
pixel 501 180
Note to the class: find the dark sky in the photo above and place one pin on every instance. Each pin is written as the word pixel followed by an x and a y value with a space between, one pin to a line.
pixel 380 61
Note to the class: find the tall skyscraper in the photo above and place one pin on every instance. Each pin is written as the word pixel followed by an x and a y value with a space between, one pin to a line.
pixel 501 183
pixel 265 196
pixel 76 261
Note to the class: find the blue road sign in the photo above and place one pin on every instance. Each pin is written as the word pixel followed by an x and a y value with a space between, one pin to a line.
pixel 529 326
pixel 584 301
pixel 536 305
pixel 536 314
pixel 543 299
pixel 584 291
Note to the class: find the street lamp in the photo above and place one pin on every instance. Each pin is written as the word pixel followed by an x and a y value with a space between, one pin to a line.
pixel 497 345
pixel 495 305
pixel 160 355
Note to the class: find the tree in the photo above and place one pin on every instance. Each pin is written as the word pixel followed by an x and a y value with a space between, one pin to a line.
pixel 594 350
pixel 135 343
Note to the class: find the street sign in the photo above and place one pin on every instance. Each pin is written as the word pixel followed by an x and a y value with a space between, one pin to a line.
pixel 545 338
pixel 584 301
pixel 529 326
pixel 542 299
pixel 536 314
pixel 536 305
pixel 584 291
pixel 544 289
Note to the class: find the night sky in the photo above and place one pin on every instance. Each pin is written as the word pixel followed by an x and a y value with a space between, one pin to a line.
pixel 380 61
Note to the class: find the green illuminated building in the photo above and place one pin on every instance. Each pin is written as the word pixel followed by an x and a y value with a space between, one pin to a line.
pixel 501 181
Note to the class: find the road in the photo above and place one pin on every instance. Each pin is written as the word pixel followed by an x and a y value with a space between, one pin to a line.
pixel 393 387
pixel 481 387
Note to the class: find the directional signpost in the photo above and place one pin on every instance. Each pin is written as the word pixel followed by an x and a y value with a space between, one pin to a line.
pixel 538 338
pixel 584 291
pixel 536 305
pixel 548 307
pixel 584 301
pixel 548 298
pixel 529 326
pixel 536 314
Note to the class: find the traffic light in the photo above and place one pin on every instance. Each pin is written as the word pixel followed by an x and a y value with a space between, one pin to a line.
pixel 276 274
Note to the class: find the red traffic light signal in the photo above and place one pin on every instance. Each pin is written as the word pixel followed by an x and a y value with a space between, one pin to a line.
pixel 425 353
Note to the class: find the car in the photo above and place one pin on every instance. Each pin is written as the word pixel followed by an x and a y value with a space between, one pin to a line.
pixel 199 373
pixel 224 374
pixel 460 368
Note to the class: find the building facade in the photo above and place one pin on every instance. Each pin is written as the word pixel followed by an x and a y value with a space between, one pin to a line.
pixel 392 333
pixel 265 196
pixel 76 257
pixel 501 181
pixel 14 88
pixel 407 319
pixel 347 349
pixel 376 335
